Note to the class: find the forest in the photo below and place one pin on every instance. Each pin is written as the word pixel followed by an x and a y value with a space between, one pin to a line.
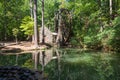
pixel 59 39
pixel 88 24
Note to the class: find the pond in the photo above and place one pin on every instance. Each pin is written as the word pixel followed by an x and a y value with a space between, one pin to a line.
pixel 68 64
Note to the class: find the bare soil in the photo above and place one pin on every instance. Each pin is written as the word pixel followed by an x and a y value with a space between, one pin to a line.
pixel 21 46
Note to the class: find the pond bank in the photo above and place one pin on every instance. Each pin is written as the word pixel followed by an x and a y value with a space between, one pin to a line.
pixel 21 46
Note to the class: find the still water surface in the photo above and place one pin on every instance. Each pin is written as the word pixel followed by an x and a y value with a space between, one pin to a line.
pixel 68 64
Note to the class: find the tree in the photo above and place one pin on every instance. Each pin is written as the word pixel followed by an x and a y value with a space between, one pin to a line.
pixel 11 14
pixel 43 40
pixel 63 26
pixel 35 24
pixel 15 33
pixel 31 8
pixel 31 14
pixel 27 26
pixel 110 7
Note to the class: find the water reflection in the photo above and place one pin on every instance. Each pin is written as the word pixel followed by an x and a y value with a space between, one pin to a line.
pixel 68 64
pixel 44 57
pixel 36 60
pixel 39 57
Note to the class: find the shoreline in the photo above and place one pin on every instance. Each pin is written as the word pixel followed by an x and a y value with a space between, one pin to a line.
pixel 20 47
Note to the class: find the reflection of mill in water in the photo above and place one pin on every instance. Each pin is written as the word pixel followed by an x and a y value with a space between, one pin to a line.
pixel 44 57
pixel 32 59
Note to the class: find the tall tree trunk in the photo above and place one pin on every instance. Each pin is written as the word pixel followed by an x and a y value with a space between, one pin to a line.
pixel 31 14
pixel 43 40
pixel 35 24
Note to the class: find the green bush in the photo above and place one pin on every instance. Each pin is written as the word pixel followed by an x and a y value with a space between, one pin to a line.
pixel 110 37
pixel 115 41
pixel 91 42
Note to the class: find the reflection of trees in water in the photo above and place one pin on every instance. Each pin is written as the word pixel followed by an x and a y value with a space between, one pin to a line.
pixel 44 57
pixel 99 68
pixel 104 68
pixel 87 66
pixel 7 60
pixel 37 60
pixel 40 57
pixel 51 65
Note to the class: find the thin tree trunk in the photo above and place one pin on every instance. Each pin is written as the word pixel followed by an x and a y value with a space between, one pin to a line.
pixel 5 24
pixel 35 24
pixel 110 7
pixel 16 39
pixel 31 8
pixel 43 40
pixel 100 21
pixel 110 4
pixel 111 16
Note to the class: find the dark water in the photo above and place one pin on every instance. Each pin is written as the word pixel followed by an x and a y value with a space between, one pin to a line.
pixel 68 64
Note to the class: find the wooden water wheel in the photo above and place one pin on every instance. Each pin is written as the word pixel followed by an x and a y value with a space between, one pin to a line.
pixel 63 25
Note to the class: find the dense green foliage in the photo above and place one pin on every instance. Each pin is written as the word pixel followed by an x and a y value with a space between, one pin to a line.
pixel 27 26
pixel 95 24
